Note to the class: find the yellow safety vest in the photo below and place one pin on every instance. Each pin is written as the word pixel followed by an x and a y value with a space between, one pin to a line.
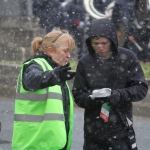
pixel 39 122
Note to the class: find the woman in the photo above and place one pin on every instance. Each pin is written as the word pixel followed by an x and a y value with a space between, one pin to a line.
pixel 43 117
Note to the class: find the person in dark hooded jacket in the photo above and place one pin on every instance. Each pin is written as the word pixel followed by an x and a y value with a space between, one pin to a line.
pixel 107 67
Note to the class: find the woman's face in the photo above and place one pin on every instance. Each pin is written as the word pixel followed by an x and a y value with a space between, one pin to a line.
pixel 61 54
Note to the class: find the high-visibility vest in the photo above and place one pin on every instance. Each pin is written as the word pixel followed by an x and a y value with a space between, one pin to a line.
pixel 39 122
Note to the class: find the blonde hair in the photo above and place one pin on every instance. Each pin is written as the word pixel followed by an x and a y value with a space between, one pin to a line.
pixel 52 39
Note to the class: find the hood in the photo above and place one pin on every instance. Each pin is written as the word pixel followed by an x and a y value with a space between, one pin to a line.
pixel 104 28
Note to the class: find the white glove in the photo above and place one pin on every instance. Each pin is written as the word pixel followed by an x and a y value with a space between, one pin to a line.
pixel 104 92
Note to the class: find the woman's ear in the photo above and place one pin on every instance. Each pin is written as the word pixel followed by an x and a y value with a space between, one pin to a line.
pixel 49 51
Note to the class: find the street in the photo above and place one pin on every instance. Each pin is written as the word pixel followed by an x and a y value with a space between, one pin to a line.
pixel 141 125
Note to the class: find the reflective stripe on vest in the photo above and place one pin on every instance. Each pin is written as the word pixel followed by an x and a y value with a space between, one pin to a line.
pixel 38 97
pixel 36 118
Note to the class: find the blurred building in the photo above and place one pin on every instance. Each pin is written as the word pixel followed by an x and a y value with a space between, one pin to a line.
pixel 17 30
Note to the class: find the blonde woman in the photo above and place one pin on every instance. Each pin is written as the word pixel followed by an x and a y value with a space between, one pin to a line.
pixel 43 116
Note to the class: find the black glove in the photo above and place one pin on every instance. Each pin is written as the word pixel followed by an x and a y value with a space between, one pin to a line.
pixel 114 98
pixel 97 101
pixel 63 72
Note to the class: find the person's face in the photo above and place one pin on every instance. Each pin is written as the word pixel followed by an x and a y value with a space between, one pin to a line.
pixel 102 46
pixel 61 54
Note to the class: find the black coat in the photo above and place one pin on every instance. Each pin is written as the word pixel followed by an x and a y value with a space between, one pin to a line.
pixel 122 72
pixel 76 14
pixel 101 5
pixel 75 11
pixel 123 13
pixel 126 13
pixel 49 13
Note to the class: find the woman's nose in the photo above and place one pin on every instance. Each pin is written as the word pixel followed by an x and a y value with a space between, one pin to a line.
pixel 68 54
